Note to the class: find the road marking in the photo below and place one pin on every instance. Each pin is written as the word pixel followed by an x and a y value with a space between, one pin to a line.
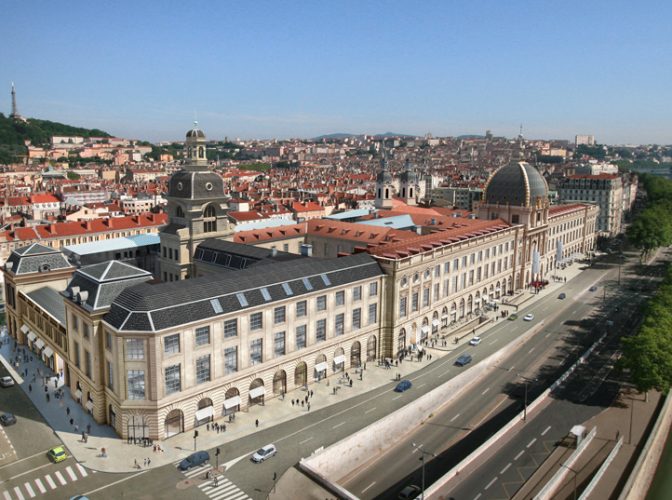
pixel 369 486
pixel 493 342
pixel 369 410
pixel 60 478
pixel 511 368
pixel 394 399
pixel 71 473
pixel 547 335
pixel 27 472
pixel 50 482
pixel 486 390
pixel 531 442
pixel 7 495
pixel 546 430
pixel 530 351
pixel 455 417
pixel 505 468
pixel 305 440
pixel 423 385
pixel 417 448
pixel 29 489
pixel 17 492
pixel 89 493
pixel 23 459
pixel 478 496
pixel 490 483
pixel 40 486
pixel 520 454
pixel 338 425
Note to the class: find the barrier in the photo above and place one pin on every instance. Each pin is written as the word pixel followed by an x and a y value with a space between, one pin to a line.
pixel 600 472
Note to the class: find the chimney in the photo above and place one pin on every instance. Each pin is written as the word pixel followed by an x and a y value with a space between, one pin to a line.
pixel 306 249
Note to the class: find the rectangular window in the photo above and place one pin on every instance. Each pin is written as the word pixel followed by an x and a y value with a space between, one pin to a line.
pixel 414 302
pixel 256 321
pixel 464 261
pixel 301 336
pixel 173 379
pixel 357 293
pixel 87 363
pixel 464 281
pixel 403 307
pixel 242 300
pixel 339 324
pixel 256 351
pixel 340 298
pixel 446 267
pixel 288 289
pixel 266 294
pixel 135 383
pixel 279 344
pixel 216 306
pixel 203 369
pixel 307 284
pixel 373 314
pixel 437 291
pixel 110 375
pixel 279 315
pixel 230 328
pixel 75 346
pixel 321 330
pixel 425 297
pixel 437 272
pixel 135 349
pixel 325 280
pixel 231 360
pixel 321 302
pixel 202 335
pixel 356 319
pixel 86 329
pixel 373 289
pixel 171 344
pixel 301 308
pixel 446 288
pixel 75 323
pixel 108 341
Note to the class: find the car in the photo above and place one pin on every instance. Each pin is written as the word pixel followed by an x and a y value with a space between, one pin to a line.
pixel 263 453
pixel 513 317
pixel 79 497
pixel 562 296
pixel 57 454
pixel 464 359
pixel 475 341
pixel 402 386
pixel 194 460
pixel 7 419
pixel 528 317
pixel 409 492
pixel 593 288
pixel 6 381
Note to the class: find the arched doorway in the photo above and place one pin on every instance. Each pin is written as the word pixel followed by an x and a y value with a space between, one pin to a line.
pixel 231 401
pixel 470 304
pixel 280 382
pixel 111 417
pixel 453 312
pixel 401 340
pixel 257 392
pixel 301 374
pixel 321 367
pixel 371 352
pixel 462 308
pixel 477 300
pixel 424 331
pixel 435 322
pixel 174 423
pixel 339 360
pixel 137 428
pixel 444 317
pixel 205 412
pixel 356 354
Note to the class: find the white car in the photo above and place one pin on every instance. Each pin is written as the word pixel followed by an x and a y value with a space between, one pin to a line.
pixel 528 317
pixel 475 341
pixel 264 452
pixel 6 381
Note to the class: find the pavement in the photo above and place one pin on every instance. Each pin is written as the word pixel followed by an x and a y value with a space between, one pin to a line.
pixel 122 457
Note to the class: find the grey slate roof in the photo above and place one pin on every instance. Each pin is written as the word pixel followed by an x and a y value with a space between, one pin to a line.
pixel 517 183
pixel 36 258
pixel 50 300
pixel 196 185
pixel 165 305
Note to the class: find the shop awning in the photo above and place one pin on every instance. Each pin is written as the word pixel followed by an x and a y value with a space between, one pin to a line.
pixel 231 402
pixel 444 316
pixel 257 392
pixel 425 329
pixel 25 328
pixel 339 360
pixel 39 343
pixel 78 394
pixel 89 405
pixel 48 352
pixel 203 413
pixel 32 336
pixel 435 322
pixel 321 367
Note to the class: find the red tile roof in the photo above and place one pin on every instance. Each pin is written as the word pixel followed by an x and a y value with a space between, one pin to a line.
pixel 268 234
pixel 351 231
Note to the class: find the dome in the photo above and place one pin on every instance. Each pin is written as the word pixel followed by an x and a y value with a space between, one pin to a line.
pixel 195 132
pixel 517 183
pixel 196 185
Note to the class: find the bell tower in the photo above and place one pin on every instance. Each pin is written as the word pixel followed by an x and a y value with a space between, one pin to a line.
pixel 384 185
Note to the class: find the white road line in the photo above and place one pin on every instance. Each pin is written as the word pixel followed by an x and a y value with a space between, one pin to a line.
pixel 239 496
pixel 478 496
pixel 227 493
pixel 546 430
pixel 50 482
pixel 493 342
pixel 485 391
pixel 520 454
pixel 490 483
pixel 306 440
pixel 82 470
pixel 29 489
pixel 60 478
pixel 7 495
pixel 531 442
pixel 40 486
pixel 369 486
pixel 547 335
pixel 17 492
pixel 394 399
pixel 89 493
pixel 505 468
pixel 71 473
pixel 369 410
pixel 415 450
pixel 530 351
pixel 455 417
pixel 338 425
pixel 423 385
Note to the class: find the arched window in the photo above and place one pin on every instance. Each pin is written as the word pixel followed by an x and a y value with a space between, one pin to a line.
pixel 210 219
pixel 201 152
pixel 179 212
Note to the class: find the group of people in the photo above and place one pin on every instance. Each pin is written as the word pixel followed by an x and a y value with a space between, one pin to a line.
pixel 216 427
pixel 305 402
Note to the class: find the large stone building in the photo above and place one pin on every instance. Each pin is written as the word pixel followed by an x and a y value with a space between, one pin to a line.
pixel 232 324
pixel 603 190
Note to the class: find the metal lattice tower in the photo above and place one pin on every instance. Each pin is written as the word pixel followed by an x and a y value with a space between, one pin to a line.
pixel 15 111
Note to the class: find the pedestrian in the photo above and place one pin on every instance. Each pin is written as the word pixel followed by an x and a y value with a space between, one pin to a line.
pixel 88 428
pixel 307 398
pixel 216 480
pixel 144 463
pixel 149 462
pixel 46 389
pixel 30 388
pixel 223 427
pixel 72 421
pixel 303 403
pixel 67 410
pixel 308 406
pixel 311 394
pixel 55 382
pixel 256 423
pixel 47 395
pixel 350 382
pixel 135 463
pixel 83 437
pixel 154 449
pixel 292 402
pixel 207 427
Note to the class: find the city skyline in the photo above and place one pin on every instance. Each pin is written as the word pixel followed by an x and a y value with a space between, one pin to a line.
pixel 278 71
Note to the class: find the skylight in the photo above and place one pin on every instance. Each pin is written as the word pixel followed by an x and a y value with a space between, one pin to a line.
pixel 288 289
pixel 216 306
pixel 265 294
pixel 326 280
pixel 242 299
pixel 307 284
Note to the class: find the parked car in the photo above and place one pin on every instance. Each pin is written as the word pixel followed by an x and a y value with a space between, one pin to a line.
pixel 402 386
pixel 57 454
pixel 593 288
pixel 464 359
pixel 513 317
pixel 6 381
pixel 264 453
pixel 194 460
pixel 7 419
pixel 409 492
pixel 475 341
pixel 562 296
pixel 528 317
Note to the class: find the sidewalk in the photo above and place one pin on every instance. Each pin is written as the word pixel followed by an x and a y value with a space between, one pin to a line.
pixel 122 457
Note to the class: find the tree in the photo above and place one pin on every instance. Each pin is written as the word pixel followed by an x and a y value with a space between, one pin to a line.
pixel 648 355
pixel 650 230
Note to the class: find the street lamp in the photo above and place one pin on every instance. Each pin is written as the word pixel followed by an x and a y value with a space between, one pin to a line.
pixel 526 381
pixel 423 453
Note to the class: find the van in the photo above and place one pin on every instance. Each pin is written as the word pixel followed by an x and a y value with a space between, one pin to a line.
pixel 194 460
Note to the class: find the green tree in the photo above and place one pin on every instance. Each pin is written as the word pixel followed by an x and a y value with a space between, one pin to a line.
pixel 650 230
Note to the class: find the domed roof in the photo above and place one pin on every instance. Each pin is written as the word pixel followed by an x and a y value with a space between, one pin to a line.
pixel 195 132
pixel 196 185
pixel 517 183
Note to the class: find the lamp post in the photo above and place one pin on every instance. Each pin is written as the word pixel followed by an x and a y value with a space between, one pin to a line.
pixel 422 457
pixel 526 381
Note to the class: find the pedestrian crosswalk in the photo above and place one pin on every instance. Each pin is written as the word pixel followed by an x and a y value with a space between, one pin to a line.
pixel 45 484
pixel 225 489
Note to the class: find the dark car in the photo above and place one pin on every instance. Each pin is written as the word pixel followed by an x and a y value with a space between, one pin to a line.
pixel 562 295
pixel 593 288
pixel 194 460
pixel 464 359
pixel 7 419
pixel 409 492
pixel 402 386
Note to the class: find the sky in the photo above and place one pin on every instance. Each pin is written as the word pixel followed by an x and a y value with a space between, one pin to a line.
pixel 281 69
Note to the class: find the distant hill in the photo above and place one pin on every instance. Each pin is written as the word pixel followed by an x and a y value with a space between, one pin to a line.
pixel 342 135
pixel 14 133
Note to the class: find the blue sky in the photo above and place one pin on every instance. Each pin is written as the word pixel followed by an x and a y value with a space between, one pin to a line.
pixel 145 69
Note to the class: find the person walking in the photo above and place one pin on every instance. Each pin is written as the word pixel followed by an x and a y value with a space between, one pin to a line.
pixel 88 428
pixel 67 410
pixel 256 423
pixel 30 388
pixel 308 406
